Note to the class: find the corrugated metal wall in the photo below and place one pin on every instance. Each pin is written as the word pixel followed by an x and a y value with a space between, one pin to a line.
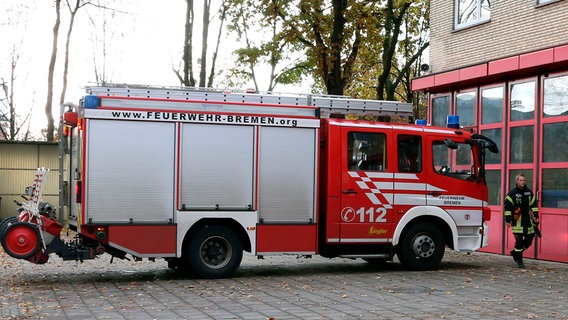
pixel 18 163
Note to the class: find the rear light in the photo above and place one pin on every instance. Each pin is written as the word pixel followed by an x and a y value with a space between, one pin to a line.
pixel 78 191
pixel 486 214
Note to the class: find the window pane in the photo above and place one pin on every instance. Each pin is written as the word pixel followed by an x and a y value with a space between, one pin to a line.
pixel 493 178
pixel 366 151
pixel 485 11
pixel 522 101
pixel 471 11
pixel 409 153
pixel 465 106
pixel 455 163
pixel 495 135
pixel 440 110
pixel 555 188
pixel 554 147
pixel 522 143
pixel 492 105
pixel 467 11
pixel 555 96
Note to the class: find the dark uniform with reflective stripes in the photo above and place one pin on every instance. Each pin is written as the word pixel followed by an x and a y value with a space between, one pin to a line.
pixel 519 204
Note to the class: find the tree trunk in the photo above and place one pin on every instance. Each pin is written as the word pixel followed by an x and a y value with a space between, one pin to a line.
pixel 204 35
pixel 67 42
pixel 187 77
pixel 48 107
pixel 224 8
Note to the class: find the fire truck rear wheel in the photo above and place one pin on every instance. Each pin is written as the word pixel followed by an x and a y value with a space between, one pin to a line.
pixel 422 247
pixel 214 252
pixel 21 240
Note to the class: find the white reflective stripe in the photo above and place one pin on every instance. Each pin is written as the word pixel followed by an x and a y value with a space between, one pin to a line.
pixel 410 176
pixel 362 185
pixel 383 185
pixel 353 240
pixel 381 175
pixel 373 198
pixel 409 186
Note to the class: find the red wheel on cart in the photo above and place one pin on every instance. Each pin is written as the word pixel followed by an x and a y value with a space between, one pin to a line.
pixel 21 240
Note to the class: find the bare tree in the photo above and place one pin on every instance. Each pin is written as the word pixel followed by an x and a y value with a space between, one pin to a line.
pixel 48 103
pixel 204 36
pixel 223 16
pixel 11 123
pixel 73 12
pixel 103 35
pixel 186 77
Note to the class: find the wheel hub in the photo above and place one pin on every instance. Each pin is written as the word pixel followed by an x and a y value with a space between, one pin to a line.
pixel 423 246
pixel 21 240
pixel 215 252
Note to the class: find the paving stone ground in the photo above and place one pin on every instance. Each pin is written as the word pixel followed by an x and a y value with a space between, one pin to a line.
pixel 475 286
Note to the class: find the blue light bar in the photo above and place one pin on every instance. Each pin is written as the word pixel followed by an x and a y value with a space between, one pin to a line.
pixel 91 102
pixel 420 122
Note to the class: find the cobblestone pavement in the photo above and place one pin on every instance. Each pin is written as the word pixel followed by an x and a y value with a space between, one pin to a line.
pixel 476 286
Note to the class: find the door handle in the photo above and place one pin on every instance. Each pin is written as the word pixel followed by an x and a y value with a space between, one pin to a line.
pixel 435 194
pixel 349 191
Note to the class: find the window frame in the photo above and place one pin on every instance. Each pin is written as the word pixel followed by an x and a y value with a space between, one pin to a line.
pixel 545 2
pixel 479 20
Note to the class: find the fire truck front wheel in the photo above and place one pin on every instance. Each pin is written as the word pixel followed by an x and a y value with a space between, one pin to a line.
pixel 214 252
pixel 422 247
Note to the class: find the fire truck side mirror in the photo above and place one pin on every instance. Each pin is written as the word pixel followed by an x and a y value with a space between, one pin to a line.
pixel 450 144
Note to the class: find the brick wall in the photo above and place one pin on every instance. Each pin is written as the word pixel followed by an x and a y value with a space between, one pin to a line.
pixel 516 26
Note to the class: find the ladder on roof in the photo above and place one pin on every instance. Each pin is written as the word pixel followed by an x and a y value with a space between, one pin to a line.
pixel 326 104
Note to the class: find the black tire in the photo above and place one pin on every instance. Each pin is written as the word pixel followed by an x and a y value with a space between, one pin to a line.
pixel 21 240
pixel 214 252
pixel 6 222
pixel 422 247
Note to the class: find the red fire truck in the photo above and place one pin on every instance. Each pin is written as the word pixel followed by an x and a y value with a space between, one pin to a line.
pixel 196 177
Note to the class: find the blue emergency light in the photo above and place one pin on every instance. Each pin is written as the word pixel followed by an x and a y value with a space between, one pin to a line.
pixel 91 102
pixel 420 122
pixel 453 122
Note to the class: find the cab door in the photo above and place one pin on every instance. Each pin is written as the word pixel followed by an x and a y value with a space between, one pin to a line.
pixel 366 186
pixel 410 179
pixel 452 180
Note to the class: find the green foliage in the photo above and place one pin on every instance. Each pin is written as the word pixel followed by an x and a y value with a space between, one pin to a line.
pixel 367 49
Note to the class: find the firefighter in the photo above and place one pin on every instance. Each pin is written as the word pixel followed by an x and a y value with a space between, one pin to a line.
pixel 521 215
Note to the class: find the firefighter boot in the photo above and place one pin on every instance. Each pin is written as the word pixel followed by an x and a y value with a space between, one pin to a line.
pixel 513 254
pixel 520 263
pixel 518 257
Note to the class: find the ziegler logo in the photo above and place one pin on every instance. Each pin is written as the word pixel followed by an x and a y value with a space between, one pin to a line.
pixel 376 232
pixel 371 215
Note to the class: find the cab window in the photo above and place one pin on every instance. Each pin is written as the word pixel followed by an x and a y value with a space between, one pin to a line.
pixel 456 162
pixel 366 151
pixel 409 153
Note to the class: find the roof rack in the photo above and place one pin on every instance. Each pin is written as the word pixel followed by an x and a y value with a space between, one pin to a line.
pixel 326 104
